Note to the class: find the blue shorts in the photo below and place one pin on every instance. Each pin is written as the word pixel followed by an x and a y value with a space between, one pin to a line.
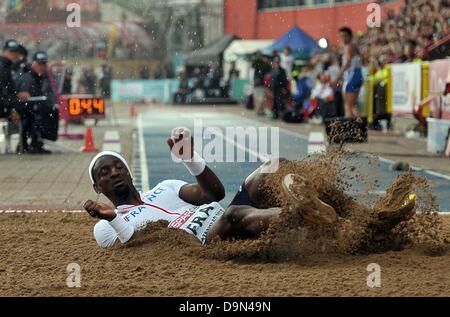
pixel 242 197
pixel 353 81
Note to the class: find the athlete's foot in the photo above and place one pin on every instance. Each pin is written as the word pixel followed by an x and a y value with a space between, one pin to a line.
pixel 393 215
pixel 305 199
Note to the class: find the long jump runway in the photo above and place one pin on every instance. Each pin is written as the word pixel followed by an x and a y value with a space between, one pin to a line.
pixel 155 127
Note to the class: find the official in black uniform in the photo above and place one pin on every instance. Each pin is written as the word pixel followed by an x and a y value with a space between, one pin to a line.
pixel 22 66
pixel 8 92
pixel 34 83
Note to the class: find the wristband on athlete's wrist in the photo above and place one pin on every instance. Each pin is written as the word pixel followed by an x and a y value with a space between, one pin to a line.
pixel 196 165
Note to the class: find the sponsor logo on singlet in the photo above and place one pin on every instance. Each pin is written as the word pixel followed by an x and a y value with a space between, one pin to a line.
pixel 182 219
pixel 155 193
pixel 198 220
pixel 133 213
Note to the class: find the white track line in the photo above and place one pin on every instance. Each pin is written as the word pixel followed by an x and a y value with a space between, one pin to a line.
pixel 262 158
pixel 111 141
pixel 415 168
pixel 143 156
pixel 295 134
pixel 437 174
pixel 284 130
pixel 62 146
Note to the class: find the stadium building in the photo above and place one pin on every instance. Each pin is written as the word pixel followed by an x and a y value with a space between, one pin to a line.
pixel 269 19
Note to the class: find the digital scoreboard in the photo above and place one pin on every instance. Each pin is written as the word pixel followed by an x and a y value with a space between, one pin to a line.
pixel 83 107
pixel 86 107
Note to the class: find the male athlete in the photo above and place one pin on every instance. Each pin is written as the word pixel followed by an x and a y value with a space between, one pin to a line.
pixel 351 73
pixel 194 207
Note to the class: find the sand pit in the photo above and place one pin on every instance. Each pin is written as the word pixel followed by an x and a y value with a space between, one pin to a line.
pixel 35 250
pixel 292 258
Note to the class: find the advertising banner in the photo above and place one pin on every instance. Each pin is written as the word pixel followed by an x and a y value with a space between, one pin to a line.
pixel 158 89
pixel 438 74
pixel 406 87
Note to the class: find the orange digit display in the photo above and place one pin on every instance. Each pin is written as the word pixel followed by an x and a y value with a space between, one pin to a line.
pixel 86 104
pixel 86 107
pixel 99 105
pixel 74 107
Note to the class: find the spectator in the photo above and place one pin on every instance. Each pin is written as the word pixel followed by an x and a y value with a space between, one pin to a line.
pixel 183 91
pixel 91 82
pixel 144 73
pixel 233 73
pixel 302 93
pixel 8 99
pixel 261 68
pixel 279 88
pixel 409 54
pixel 158 73
pixel 105 80
pixel 82 82
pixel 168 70
pixel 67 82
pixel 287 62
pixel 275 54
pixel 333 70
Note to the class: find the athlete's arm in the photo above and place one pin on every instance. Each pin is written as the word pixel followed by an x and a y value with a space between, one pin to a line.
pixel 208 188
pixel 99 210
pixel 110 227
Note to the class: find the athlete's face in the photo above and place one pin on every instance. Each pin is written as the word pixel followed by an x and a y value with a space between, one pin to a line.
pixel 346 38
pixel 111 177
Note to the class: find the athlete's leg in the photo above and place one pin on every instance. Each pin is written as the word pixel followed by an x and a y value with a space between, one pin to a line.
pixel 246 222
pixel 243 222
pixel 351 109
pixel 255 180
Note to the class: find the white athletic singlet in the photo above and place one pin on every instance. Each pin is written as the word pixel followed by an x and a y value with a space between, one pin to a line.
pixel 160 203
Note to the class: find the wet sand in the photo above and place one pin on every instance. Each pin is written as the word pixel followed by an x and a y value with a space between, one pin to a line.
pixel 35 250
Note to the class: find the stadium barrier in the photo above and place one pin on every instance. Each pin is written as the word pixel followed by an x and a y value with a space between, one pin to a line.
pixel 239 89
pixel 407 86
pixel 132 90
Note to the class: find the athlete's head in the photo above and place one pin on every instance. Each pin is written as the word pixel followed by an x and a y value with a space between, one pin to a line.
pixel 110 175
pixel 346 34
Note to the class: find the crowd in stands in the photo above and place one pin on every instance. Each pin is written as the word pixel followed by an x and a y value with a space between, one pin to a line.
pixel 163 70
pixel 405 32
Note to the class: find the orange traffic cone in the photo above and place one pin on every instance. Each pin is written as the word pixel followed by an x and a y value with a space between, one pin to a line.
pixel 89 142
pixel 133 110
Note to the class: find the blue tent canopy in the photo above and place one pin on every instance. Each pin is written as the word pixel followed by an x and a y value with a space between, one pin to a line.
pixel 302 45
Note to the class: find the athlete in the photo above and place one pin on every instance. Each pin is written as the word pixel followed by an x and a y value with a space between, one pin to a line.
pixel 194 207
pixel 351 73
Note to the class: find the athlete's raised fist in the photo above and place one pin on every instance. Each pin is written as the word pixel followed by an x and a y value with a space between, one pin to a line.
pixel 181 144
pixel 99 210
